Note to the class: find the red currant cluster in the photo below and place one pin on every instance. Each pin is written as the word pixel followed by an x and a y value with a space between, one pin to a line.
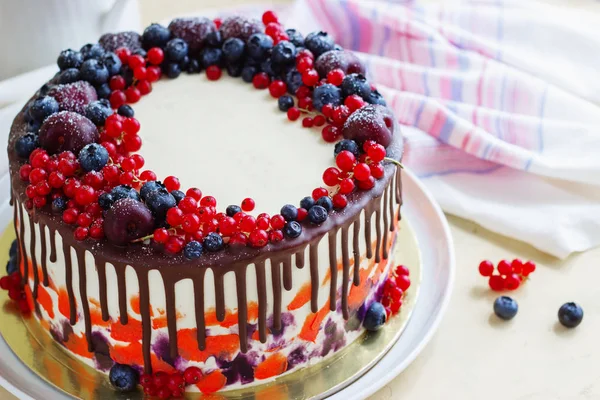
pixel 145 71
pixel 12 283
pixel 60 177
pixel 273 28
pixel 165 386
pixel 510 274
pixel 352 172
pixel 196 216
pixel 394 289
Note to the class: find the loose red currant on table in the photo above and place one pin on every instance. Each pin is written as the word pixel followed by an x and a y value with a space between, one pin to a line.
pixel 331 133
pixel 319 120
pixel 132 94
pixel 171 183
pixel 307 122
pixel 261 80
pixel 486 268
pixel 277 88
pixel 293 114
pixel 496 283
pixel 248 204
pixel 528 268
pixel 504 268
pixel 213 72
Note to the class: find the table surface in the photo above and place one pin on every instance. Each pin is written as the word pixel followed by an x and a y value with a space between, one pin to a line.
pixel 474 355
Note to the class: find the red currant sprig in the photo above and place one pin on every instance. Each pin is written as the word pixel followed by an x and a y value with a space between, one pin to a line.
pixel 12 284
pixel 394 289
pixel 510 274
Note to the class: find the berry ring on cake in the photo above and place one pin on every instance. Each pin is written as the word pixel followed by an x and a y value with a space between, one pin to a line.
pixel 207 206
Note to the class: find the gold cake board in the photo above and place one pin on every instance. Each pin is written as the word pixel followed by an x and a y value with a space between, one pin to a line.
pixel 48 359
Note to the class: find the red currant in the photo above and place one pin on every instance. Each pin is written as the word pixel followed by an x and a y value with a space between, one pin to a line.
pixel 136 61
pixel 496 283
pixel 307 122
pixel 268 17
pixel 153 74
pixel 504 268
pixel 376 153
pixel 340 201
pixel 117 98
pixel 304 64
pixel 345 160
pixel 331 176
pixel 293 114
pixel 277 222
pixel 171 183
pixel 528 268
pixel 275 236
pixel 486 268
pixel 208 201
pixel 117 82
pixel 512 282
pixel 81 233
pixel 132 94
pixel 401 270
pixel 319 192
pixel 346 186
pixel 195 193
pixel 248 204
pixel 123 53
pixel 366 184
pixel 277 88
pixel 331 133
pixel 258 238
pixel 261 80
pixel 24 172
pixel 213 73
pixel 238 238
pixel 192 375
pixel 377 170
pixel 362 172
pixel 227 226
pixel 155 55
pixel 310 77
pixel 174 245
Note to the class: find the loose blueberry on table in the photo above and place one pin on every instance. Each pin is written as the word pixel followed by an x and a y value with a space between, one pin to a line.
pixel 505 307
pixel 570 315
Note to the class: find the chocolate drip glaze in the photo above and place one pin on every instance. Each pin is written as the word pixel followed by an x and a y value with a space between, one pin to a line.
pixel 378 234
pixel 16 223
pixel 84 299
pixel 199 308
pixel 219 295
pixel 345 271
pixel 69 283
pixel 314 277
pixel 101 267
pixel 122 289
pixel 333 269
pixel 34 266
pixel 44 255
pixel 174 268
pixel 356 251
pixel 171 314
pixel 146 324
pixel 276 278
pixel 262 300
pixel 287 272
pixel 240 284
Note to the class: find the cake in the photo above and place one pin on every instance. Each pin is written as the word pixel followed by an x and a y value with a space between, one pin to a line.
pixel 281 260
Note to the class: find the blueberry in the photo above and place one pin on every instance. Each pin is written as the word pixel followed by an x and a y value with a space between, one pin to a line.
pixel 126 111
pixel 232 210
pixel 105 102
pixel 26 144
pixel 150 187
pixel 326 94
pixel 284 53
pixel 337 47
pixel 267 67
pixel 172 70
pixel 93 157
pixel 375 317
pixel 210 56
pixel 347 144
pixel 293 80
pixel 193 66
pixel 106 200
pixel 233 49
pixel 11 265
pixel 69 59
pixel 307 202
pixel 505 307
pixel 192 250
pixel 159 202
pixel 178 194
pixel 43 107
pixel 235 70
pixel 319 42
pixel 124 191
pixel 317 214
pixel 285 102
pixel 326 203
pixel 155 35
pixel 213 242
pixel 295 37
pixel 140 52
pixel 289 212
pixel 214 39
pixel 184 64
pixel 94 71
pixel 248 73
pixel 176 50
pixel 570 314
pixel 69 75
pixel 112 63
pixel 90 51
pixel 375 97
pixel 292 229
pixel 97 112
pixel 34 126
pixel 103 91
pixel 355 84
pixel 123 378
pixel 14 247
pixel 59 205
pixel 258 46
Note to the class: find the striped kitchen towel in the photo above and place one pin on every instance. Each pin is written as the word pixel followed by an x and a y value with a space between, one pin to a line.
pixel 496 100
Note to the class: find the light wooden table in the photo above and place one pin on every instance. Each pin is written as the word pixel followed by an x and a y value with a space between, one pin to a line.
pixel 473 355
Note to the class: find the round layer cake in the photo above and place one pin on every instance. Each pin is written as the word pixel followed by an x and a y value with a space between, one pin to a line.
pixel 270 267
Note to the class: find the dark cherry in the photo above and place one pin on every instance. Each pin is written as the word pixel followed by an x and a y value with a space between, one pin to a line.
pixel 372 122
pixel 347 61
pixel 240 27
pixel 193 30
pixel 74 96
pixel 126 221
pixel 67 131
pixel 114 41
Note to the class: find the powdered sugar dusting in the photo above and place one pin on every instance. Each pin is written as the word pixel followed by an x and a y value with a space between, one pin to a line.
pixel 113 41
pixel 74 96
pixel 193 30
pixel 342 59
pixel 240 27
pixel 67 130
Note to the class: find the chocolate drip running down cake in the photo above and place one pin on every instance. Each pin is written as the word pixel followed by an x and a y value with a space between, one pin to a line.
pixel 136 271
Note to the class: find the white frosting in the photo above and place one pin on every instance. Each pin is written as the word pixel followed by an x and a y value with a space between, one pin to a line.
pixel 231 141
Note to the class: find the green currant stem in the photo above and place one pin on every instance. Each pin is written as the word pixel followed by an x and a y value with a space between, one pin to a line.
pixel 396 162
pixel 142 239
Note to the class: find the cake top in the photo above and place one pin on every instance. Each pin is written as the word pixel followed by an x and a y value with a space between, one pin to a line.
pixel 78 144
